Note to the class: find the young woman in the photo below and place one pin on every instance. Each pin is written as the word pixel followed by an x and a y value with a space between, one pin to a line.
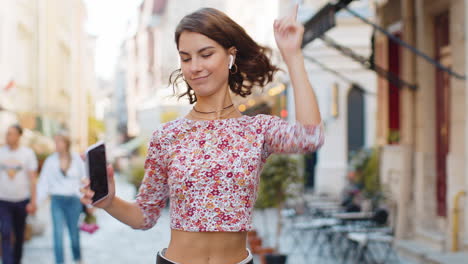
pixel 209 161
pixel 60 179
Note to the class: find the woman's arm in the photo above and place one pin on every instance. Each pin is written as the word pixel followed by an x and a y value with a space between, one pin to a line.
pixel 288 35
pixel 32 174
pixel 151 197
pixel 128 213
pixel 307 110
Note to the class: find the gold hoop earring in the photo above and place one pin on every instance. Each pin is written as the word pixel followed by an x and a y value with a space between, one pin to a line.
pixel 235 69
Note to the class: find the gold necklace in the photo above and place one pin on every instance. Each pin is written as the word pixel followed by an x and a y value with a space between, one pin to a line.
pixel 212 112
pixel 220 117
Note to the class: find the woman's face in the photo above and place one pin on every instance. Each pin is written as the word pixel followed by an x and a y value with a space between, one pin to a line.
pixel 60 144
pixel 204 63
pixel 12 136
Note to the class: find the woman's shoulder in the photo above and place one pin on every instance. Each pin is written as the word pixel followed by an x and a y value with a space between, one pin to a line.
pixel 168 129
pixel 51 158
pixel 264 119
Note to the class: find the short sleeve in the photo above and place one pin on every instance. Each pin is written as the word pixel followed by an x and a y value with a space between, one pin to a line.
pixel 32 161
pixel 154 189
pixel 284 137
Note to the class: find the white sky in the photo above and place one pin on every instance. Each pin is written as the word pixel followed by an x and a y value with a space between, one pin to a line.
pixel 107 20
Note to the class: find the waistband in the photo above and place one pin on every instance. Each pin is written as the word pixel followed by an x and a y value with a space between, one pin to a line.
pixel 163 260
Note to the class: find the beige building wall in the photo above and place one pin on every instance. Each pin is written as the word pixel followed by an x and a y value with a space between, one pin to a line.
pixel 419 125
pixel 45 51
pixel 17 55
pixel 65 62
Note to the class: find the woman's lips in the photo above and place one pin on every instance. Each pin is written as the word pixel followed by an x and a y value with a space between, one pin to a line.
pixel 202 78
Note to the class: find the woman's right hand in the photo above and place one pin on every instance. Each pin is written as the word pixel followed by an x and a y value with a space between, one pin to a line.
pixel 87 193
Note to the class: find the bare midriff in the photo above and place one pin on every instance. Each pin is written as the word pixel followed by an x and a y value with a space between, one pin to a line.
pixel 207 247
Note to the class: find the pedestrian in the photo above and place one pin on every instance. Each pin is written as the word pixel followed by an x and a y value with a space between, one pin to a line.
pixel 18 174
pixel 208 162
pixel 60 179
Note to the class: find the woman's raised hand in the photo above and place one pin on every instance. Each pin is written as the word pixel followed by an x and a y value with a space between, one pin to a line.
pixel 87 193
pixel 288 34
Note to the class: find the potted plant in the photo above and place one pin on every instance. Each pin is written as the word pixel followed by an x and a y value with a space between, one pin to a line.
pixel 353 195
pixel 277 179
pixel 364 169
pixel 136 170
pixel 136 173
pixel 394 136
pixel 370 179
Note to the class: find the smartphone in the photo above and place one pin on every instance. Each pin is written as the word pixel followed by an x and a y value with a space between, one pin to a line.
pixel 96 168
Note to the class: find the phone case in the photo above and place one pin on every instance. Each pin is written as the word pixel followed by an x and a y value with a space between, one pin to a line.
pixel 92 147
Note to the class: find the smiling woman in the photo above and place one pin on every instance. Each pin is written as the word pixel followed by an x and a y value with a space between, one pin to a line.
pixel 210 32
pixel 208 163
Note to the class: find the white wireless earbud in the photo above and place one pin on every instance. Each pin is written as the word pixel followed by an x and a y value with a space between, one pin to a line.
pixel 231 61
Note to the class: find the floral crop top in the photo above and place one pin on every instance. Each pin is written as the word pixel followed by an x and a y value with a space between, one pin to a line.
pixel 210 169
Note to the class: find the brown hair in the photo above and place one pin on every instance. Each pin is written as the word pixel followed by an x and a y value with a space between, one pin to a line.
pixel 18 128
pixel 66 139
pixel 253 65
pixel 63 135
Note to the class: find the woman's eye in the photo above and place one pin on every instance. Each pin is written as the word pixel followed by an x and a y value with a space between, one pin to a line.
pixel 207 55
pixel 185 60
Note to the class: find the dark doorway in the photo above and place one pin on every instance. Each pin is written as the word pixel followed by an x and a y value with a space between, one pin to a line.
pixel 442 90
pixel 393 90
pixel 356 124
pixel 310 161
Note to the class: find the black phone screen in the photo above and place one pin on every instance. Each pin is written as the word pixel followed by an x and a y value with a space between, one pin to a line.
pixel 96 158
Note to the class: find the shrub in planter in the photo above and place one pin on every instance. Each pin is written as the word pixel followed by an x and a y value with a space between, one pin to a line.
pixel 394 137
pixel 136 175
pixel 279 174
pixel 365 165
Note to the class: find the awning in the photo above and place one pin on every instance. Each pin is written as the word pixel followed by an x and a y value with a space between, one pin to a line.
pixel 367 63
pixel 324 20
pixel 341 76
pixel 404 44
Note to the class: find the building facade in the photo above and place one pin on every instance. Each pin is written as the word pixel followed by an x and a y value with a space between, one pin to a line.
pixel 47 65
pixel 425 169
pixel 346 92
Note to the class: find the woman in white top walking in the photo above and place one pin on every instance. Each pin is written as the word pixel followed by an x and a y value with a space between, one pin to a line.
pixel 60 178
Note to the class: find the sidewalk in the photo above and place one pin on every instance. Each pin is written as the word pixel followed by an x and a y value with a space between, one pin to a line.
pixel 114 242
pixel 117 243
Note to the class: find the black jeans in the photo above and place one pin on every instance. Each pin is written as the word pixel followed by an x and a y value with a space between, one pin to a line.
pixel 12 219
pixel 162 260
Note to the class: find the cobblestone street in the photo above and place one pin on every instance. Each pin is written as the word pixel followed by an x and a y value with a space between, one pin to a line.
pixel 119 244
pixel 112 243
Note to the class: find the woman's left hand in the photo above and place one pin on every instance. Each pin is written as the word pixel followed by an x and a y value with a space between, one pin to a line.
pixel 288 35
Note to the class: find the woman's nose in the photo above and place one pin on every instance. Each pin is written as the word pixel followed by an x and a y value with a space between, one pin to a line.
pixel 195 65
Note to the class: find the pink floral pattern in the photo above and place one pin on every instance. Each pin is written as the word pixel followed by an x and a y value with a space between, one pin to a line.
pixel 210 169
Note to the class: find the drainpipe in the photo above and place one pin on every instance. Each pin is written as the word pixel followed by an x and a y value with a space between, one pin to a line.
pixel 408 129
pixel 466 96
pixel 456 218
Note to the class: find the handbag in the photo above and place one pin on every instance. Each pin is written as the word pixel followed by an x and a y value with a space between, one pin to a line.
pixel 89 224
